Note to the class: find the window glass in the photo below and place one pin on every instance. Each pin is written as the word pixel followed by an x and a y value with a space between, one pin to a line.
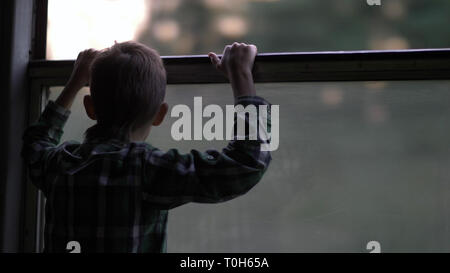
pixel 357 162
pixel 185 27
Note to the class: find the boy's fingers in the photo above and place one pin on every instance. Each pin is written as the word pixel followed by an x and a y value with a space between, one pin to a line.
pixel 214 59
pixel 226 52
pixel 254 49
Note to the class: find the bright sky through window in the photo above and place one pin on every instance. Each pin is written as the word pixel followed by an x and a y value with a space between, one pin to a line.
pixel 92 23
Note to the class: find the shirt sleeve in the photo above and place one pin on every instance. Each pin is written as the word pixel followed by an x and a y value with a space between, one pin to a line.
pixel 40 141
pixel 173 179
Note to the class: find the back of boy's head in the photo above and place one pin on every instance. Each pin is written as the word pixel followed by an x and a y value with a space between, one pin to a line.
pixel 128 83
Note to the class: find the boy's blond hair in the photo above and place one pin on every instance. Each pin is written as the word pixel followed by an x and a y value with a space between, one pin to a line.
pixel 128 83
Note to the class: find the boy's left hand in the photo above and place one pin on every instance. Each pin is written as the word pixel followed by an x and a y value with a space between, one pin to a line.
pixel 81 70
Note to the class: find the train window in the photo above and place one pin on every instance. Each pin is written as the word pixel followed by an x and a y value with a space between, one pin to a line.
pixel 357 162
pixel 363 140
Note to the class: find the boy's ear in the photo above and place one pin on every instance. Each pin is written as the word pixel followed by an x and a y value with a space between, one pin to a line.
pixel 159 117
pixel 89 106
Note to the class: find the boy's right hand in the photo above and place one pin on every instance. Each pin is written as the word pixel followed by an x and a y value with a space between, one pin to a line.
pixel 78 79
pixel 81 71
pixel 237 63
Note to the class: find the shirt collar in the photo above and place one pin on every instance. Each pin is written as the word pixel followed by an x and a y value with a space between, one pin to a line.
pixel 100 134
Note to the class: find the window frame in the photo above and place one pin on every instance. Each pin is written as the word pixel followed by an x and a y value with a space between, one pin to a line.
pixel 415 64
pixel 390 65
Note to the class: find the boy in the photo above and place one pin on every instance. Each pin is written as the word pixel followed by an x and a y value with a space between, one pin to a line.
pixel 112 192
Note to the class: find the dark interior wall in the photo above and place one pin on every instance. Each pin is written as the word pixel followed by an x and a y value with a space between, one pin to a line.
pixel 16 19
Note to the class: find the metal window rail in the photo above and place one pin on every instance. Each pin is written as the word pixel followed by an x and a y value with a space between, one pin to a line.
pixel 423 64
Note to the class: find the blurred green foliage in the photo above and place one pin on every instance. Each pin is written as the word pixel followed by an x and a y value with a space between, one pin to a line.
pixel 298 25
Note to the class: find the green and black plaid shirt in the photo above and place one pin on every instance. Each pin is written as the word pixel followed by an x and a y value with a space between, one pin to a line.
pixel 114 196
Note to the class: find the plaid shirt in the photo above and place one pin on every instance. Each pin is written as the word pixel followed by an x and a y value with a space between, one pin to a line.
pixel 114 196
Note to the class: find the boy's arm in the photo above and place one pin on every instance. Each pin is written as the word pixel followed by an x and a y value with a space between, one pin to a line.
pixel 41 138
pixel 78 79
pixel 213 176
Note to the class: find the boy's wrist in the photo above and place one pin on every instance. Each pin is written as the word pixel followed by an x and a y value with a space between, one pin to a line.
pixel 73 86
pixel 67 96
pixel 242 83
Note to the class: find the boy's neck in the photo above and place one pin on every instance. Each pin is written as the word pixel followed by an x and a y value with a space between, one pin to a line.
pixel 140 134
